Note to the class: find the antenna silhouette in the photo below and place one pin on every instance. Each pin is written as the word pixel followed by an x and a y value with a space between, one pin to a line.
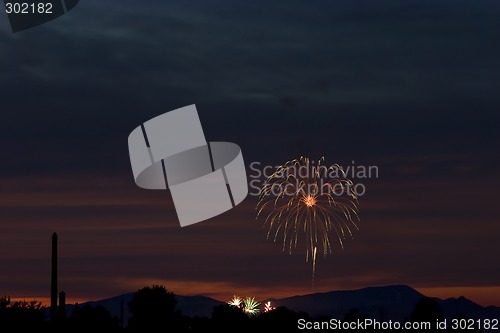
pixel 53 280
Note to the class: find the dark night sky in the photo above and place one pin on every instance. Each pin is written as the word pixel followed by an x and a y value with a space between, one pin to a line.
pixel 410 87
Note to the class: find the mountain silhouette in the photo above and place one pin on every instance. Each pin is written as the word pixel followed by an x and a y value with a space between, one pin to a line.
pixel 393 302
pixel 189 306
pixel 461 305
pixel 383 303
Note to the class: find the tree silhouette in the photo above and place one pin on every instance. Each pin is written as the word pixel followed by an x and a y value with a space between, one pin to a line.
pixel 21 315
pixel 427 310
pixel 354 315
pixel 152 309
pixel 4 302
pixel 227 316
pixel 89 317
pixel 281 319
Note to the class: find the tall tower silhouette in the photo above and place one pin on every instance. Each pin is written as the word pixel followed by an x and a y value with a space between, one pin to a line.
pixel 53 281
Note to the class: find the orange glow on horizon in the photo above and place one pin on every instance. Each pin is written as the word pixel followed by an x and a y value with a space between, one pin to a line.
pixel 45 301
pixel 484 296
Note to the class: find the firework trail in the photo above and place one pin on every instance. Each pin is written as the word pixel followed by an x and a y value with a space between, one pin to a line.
pixel 315 202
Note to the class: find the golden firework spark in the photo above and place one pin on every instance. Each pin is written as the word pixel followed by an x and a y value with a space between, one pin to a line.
pixel 314 201
pixel 248 304
pixel 236 301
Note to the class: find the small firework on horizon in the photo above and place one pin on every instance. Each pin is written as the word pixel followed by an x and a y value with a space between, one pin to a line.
pixel 304 200
pixel 268 307
pixel 236 301
pixel 248 305
pixel 251 306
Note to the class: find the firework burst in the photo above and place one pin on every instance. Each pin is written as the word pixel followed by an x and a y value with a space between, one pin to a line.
pixel 248 304
pixel 251 306
pixel 302 199
pixel 236 301
pixel 268 307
